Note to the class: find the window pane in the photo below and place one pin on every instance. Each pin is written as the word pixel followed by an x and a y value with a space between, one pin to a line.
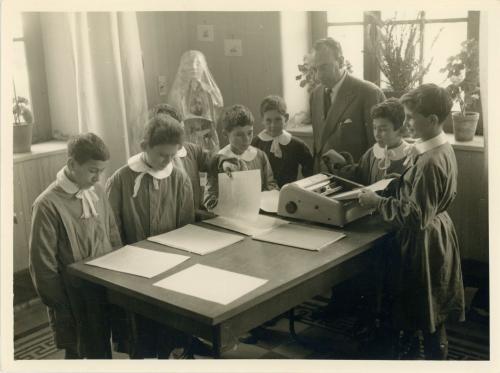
pixel 400 15
pixel 21 80
pixel 448 13
pixel 345 15
pixel 351 40
pixel 446 45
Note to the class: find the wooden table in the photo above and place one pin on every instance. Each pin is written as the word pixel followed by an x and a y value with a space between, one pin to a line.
pixel 294 275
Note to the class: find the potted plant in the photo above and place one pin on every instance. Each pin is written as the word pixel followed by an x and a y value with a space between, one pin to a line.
pixel 463 74
pixel 395 47
pixel 23 124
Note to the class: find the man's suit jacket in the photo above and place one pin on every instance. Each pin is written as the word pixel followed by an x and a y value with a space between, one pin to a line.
pixel 348 125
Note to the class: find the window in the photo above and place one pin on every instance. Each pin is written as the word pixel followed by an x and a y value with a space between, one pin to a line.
pixel 20 84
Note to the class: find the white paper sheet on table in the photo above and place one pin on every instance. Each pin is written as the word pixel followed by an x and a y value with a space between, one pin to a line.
pixel 260 224
pixel 196 239
pixel 212 284
pixel 238 194
pixel 301 236
pixel 353 194
pixel 138 261
pixel 269 200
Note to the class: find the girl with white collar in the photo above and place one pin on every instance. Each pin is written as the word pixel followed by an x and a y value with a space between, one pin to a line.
pixel 427 277
pixel 387 156
pixel 238 155
pixel 285 152
pixel 150 196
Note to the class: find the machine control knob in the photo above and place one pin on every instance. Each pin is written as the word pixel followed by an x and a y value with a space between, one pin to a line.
pixel 291 207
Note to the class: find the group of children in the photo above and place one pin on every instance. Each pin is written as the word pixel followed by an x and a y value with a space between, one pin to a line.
pixel 159 190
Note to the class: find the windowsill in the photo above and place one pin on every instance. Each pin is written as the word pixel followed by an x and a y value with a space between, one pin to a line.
pixel 477 144
pixel 40 150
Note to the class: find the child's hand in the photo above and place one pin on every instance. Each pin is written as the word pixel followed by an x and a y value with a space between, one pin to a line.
pixel 333 159
pixel 228 168
pixel 368 198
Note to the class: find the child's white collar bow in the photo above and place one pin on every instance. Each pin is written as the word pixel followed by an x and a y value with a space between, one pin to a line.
pixel 88 196
pixel 283 139
pixel 137 164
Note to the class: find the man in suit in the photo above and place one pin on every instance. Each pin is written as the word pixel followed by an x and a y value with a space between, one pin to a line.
pixel 340 106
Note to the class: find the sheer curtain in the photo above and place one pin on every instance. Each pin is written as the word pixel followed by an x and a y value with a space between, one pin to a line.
pixel 109 80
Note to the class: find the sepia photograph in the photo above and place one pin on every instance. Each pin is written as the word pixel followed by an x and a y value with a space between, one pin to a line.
pixel 283 187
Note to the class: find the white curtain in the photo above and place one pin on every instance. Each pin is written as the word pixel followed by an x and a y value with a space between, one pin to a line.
pixel 109 80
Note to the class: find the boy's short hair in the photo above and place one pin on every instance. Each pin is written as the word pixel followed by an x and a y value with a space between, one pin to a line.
pixel 236 116
pixel 331 44
pixel 87 146
pixel 166 109
pixel 429 99
pixel 163 129
pixel 392 110
pixel 273 102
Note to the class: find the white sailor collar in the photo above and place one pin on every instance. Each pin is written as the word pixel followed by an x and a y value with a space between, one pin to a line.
pixel 137 164
pixel 394 154
pixel 283 139
pixel 424 146
pixel 181 153
pixel 65 183
pixel 248 155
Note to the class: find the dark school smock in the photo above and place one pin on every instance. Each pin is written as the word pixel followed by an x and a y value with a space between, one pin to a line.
pixel 250 159
pixel 427 276
pixel 66 229
pixel 285 153
pixel 195 162
pixel 375 164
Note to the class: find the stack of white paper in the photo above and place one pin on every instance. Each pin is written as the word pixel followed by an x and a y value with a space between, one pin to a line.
pixel 212 284
pixel 301 236
pixel 269 200
pixel 353 194
pixel 196 239
pixel 138 261
pixel 259 225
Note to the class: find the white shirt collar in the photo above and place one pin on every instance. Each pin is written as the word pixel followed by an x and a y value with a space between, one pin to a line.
pixel 283 139
pixel 337 86
pixel 137 164
pixel 248 155
pixel 181 153
pixel 424 146
pixel 394 154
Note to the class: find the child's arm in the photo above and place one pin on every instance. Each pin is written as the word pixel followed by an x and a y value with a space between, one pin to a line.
pixel 268 181
pixel 358 172
pixel 203 158
pixel 114 192
pixel 185 205
pixel 306 160
pixel 421 207
pixel 211 196
pixel 43 263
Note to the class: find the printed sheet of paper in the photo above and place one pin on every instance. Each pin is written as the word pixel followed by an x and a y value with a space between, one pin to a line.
pixel 250 227
pixel 269 200
pixel 196 239
pixel 237 194
pixel 301 236
pixel 353 194
pixel 212 284
pixel 138 261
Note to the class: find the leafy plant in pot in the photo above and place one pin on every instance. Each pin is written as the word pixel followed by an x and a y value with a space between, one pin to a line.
pixel 23 124
pixel 463 74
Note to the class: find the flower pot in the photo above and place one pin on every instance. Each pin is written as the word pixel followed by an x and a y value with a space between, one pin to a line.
pixel 464 126
pixel 22 137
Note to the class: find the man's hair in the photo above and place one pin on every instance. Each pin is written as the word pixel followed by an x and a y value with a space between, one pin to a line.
pixel 236 116
pixel 392 110
pixel 273 102
pixel 331 44
pixel 166 109
pixel 429 99
pixel 87 146
pixel 163 129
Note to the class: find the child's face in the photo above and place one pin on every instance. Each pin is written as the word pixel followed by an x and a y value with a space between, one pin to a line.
pixel 159 156
pixel 240 138
pixel 385 134
pixel 273 122
pixel 85 175
pixel 419 126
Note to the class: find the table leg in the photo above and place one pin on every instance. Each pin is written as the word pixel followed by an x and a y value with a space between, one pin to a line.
pixel 216 342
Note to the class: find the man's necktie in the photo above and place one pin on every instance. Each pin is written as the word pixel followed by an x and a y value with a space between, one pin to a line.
pixel 328 100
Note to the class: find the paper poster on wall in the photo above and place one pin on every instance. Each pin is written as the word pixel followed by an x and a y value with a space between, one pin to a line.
pixel 205 32
pixel 233 47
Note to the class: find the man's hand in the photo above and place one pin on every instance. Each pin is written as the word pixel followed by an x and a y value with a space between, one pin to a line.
pixel 333 160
